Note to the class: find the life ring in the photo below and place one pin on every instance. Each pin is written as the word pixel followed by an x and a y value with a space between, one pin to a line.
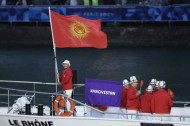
pixel 60 102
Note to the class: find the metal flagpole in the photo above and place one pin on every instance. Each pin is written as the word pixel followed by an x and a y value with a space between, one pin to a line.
pixel 54 48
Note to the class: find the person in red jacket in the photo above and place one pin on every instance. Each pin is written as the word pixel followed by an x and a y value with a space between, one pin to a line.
pixel 146 103
pixel 161 102
pixel 66 78
pixel 133 100
pixel 123 106
pixel 146 100
pixel 153 84
pixel 157 86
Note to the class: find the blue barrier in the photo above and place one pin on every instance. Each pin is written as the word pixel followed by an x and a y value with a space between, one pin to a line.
pixel 106 14
pixel 41 14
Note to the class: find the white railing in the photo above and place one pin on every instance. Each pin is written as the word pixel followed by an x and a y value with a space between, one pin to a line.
pixel 38 83
pixel 76 85
pixel 45 93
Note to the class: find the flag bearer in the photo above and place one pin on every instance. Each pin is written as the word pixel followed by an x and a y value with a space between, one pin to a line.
pixel 66 79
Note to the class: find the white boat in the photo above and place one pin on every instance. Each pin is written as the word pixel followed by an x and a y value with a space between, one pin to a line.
pixel 17 114
pixel 84 115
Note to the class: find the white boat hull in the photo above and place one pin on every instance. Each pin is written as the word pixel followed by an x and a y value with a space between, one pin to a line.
pixel 24 120
pixel 92 118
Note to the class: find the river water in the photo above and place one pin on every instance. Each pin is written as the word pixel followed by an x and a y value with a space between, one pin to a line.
pixel 37 64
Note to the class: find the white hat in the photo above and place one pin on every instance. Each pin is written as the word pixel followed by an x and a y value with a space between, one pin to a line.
pixel 67 62
pixel 149 88
pixel 133 79
pixel 153 81
pixel 125 82
pixel 162 84
pixel 157 83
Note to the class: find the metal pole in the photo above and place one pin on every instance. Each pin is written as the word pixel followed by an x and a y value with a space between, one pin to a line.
pixel 85 109
pixel 73 93
pixel 8 100
pixel 52 106
pixel 34 86
pixel 54 48
pixel 28 82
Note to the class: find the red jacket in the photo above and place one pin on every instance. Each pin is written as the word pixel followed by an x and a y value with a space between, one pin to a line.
pixel 133 101
pixel 66 79
pixel 154 91
pixel 146 102
pixel 124 98
pixel 161 102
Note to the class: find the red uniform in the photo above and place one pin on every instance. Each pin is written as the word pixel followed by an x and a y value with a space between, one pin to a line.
pixel 133 101
pixel 154 91
pixel 66 79
pixel 124 98
pixel 146 102
pixel 161 102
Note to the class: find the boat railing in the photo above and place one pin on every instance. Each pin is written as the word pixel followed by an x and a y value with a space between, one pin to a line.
pixel 181 117
pixel 44 93
pixel 75 86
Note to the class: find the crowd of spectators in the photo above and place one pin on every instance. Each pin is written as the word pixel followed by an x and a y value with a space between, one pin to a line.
pixel 91 2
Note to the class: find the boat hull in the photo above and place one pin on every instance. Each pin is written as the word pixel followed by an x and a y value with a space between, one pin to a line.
pixel 31 120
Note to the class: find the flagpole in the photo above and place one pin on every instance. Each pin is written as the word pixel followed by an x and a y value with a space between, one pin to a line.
pixel 55 58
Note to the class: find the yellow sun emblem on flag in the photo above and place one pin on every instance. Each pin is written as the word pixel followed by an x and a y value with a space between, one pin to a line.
pixel 171 93
pixel 79 30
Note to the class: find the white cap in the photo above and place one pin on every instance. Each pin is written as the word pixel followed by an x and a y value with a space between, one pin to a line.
pixel 162 84
pixel 133 79
pixel 125 82
pixel 153 81
pixel 157 83
pixel 149 88
pixel 67 62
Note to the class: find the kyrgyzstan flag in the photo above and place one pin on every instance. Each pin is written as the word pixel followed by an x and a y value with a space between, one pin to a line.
pixel 75 31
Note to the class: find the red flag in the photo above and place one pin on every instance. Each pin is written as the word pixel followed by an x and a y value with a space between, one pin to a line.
pixel 75 31
pixel 171 93
pixel 141 83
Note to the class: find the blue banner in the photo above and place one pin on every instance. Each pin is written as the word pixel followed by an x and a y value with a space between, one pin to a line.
pixel 162 13
pixel 102 92
pixel 137 13
pixel 106 14
pixel 28 14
